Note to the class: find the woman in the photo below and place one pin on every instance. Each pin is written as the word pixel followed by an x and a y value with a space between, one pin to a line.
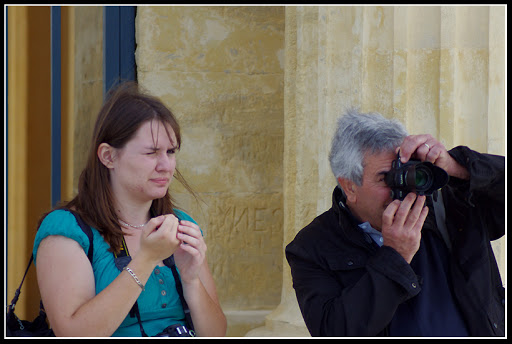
pixel 123 195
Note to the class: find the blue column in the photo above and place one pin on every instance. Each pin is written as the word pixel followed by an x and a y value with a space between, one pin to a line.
pixel 118 45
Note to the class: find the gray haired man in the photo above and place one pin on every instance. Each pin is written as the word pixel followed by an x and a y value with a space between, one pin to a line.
pixel 418 265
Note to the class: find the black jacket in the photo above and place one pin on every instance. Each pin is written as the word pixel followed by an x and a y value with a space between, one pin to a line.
pixel 346 286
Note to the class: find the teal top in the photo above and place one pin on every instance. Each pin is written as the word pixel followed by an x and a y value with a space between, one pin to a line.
pixel 159 304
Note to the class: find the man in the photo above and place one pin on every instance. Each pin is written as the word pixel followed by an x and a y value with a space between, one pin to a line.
pixel 377 266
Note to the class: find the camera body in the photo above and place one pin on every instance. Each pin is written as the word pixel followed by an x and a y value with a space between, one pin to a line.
pixel 422 178
pixel 176 330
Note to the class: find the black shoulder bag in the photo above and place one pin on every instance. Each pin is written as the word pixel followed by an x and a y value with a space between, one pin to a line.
pixel 15 327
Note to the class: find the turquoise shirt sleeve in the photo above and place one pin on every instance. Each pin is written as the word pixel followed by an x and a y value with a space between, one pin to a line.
pixel 60 222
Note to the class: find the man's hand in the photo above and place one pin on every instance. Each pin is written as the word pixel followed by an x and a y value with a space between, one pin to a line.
pixel 426 148
pixel 402 223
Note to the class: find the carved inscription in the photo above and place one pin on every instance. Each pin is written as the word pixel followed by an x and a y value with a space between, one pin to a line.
pixel 245 248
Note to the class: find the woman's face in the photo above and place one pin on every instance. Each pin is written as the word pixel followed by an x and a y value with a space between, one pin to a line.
pixel 143 169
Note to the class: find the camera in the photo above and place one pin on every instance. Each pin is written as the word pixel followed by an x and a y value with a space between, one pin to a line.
pixel 176 330
pixel 422 178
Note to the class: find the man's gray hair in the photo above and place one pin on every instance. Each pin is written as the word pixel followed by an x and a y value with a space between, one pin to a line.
pixel 358 134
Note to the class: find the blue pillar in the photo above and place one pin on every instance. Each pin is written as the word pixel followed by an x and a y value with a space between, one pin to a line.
pixel 118 45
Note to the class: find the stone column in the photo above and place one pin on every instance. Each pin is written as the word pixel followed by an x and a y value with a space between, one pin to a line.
pixel 301 168
pixel 323 74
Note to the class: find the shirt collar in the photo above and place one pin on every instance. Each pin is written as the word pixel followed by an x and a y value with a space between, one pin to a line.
pixel 340 198
pixel 373 233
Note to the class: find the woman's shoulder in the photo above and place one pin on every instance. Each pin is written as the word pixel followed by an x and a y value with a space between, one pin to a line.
pixel 60 222
pixel 56 220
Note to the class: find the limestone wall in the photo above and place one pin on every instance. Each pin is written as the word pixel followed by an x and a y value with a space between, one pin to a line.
pixel 221 71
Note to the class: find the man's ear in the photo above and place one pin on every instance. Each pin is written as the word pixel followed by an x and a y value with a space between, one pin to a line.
pixel 106 154
pixel 350 189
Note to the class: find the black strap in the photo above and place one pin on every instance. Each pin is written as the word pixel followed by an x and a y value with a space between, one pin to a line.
pixel 123 258
pixel 17 293
pixel 169 262
pixel 87 230
pixel 135 312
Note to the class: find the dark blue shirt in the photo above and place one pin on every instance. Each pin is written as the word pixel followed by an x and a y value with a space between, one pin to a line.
pixel 433 312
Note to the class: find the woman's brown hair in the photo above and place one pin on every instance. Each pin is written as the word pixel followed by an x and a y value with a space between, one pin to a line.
pixel 125 109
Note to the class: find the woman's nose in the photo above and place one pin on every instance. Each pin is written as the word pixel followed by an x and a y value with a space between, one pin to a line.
pixel 165 162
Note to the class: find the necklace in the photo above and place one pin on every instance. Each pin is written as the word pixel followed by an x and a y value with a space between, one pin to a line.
pixel 129 225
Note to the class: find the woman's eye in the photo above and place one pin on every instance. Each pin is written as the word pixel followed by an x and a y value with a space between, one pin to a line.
pixel 169 151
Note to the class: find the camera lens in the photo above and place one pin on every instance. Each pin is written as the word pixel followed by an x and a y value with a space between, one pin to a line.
pixel 423 178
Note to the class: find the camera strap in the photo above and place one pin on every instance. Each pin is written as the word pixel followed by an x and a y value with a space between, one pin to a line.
pixel 440 215
pixel 169 262
pixel 123 258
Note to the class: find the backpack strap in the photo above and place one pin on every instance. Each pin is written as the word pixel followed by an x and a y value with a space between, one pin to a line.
pixel 87 230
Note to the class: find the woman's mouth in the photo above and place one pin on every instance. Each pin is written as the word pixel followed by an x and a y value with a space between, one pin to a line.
pixel 160 181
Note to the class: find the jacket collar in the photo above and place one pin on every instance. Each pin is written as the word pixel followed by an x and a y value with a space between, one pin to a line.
pixel 348 224
pixel 339 203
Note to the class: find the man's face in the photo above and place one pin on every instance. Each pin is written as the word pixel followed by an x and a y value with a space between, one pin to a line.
pixel 368 201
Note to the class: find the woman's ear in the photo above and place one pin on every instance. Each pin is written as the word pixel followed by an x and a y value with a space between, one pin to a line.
pixel 350 189
pixel 106 155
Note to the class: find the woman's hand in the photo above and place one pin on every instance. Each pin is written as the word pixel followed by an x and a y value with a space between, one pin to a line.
pixel 198 285
pixel 159 240
pixel 190 255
